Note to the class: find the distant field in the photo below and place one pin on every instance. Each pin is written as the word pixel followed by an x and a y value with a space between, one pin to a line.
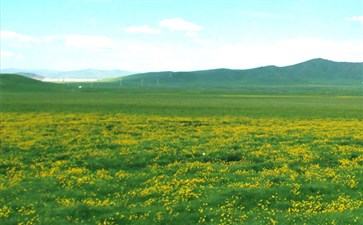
pixel 184 103
pixel 180 156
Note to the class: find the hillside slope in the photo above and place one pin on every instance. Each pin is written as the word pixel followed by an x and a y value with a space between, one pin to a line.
pixel 19 83
pixel 316 71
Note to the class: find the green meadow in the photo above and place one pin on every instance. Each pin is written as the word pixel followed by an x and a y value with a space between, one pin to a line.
pixel 107 154
pixel 295 101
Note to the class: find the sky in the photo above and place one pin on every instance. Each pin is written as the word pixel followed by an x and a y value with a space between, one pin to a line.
pixel 177 35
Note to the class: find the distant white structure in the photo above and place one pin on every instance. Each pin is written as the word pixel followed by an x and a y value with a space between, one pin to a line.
pixel 79 86
pixel 61 80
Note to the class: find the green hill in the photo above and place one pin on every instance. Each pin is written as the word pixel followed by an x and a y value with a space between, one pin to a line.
pixel 19 83
pixel 313 76
pixel 312 72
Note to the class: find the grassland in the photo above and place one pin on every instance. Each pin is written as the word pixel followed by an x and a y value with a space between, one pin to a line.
pixel 169 102
pixel 172 156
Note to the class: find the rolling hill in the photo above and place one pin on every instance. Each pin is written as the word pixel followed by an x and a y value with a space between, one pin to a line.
pixel 21 83
pixel 313 76
pixel 312 72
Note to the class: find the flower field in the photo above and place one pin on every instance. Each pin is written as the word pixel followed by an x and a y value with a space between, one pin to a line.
pixel 86 168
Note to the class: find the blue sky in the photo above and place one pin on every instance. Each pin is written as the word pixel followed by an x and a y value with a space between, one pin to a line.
pixel 177 35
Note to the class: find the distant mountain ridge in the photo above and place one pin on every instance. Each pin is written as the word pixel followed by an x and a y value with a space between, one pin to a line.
pixel 31 75
pixel 315 71
pixel 94 74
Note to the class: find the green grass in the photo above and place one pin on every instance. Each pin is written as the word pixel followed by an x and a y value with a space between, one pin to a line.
pixel 20 94
pixel 59 168
pixel 20 84
pixel 188 103
pixel 268 150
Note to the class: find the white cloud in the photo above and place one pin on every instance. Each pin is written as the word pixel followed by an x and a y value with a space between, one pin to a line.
pixel 27 39
pixel 193 54
pixel 10 55
pixel 87 41
pixel 204 41
pixel 284 52
pixel 355 19
pixel 179 24
pixel 205 54
pixel 191 34
pixel 50 38
pixel 78 41
pixel 10 35
pixel 6 54
pixel 142 29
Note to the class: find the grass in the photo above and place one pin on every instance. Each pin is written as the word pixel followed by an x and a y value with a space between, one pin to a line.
pixel 189 103
pixel 90 168
pixel 174 156
pixel 19 84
